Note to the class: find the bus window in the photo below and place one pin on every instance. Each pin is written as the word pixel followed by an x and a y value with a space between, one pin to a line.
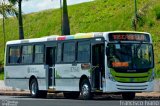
pixel 83 52
pixel 14 55
pixel 27 54
pixel 39 54
pixel 131 56
pixel 69 52
pixel 59 52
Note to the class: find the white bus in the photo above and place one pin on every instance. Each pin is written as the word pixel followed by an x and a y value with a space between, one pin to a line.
pixel 85 63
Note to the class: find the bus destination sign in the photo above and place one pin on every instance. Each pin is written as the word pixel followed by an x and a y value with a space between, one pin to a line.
pixel 129 37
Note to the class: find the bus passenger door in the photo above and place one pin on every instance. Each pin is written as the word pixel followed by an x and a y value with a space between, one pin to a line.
pixel 97 66
pixel 50 61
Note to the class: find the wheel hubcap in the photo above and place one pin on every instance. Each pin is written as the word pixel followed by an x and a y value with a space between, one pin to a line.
pixel 34 88
pixel 85 89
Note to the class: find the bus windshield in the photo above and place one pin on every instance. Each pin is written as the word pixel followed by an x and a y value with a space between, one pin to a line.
pixel 130 56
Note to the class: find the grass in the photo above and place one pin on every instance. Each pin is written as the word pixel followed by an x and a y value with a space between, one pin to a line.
pixel 2 75
pixel 97 16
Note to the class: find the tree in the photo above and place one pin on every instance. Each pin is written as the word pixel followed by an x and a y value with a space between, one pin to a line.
pixel 20 20
pixel 65 19
pixel 5 10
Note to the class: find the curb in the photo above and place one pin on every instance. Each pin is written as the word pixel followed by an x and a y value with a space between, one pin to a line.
pixel 151 94
pixel 14 93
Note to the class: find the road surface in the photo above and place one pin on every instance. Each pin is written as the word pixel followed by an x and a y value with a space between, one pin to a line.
pixel 60 101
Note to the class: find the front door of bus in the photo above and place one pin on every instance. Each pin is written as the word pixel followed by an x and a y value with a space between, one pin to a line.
pixel 97 65
pixel 50 60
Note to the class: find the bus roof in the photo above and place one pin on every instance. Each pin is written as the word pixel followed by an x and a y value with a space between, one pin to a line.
pixel 57 38
pixel 68 37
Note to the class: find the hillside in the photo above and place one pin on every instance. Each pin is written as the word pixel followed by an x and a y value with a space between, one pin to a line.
pixel 100 15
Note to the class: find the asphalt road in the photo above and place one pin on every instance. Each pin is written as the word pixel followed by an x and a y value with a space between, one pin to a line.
pixel 27 101
pixel 60 101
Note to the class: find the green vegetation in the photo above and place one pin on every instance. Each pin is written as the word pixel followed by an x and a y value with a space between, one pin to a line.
pixel 2 75
pixel 157 12
pixel 97 16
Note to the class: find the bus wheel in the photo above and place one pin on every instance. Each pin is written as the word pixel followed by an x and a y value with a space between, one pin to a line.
pixel 86 90
pixel 34 88
pixel 35 92
pixel 128 95
pixel 71 95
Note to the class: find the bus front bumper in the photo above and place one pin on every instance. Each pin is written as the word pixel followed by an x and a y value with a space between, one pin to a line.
pixel 111 86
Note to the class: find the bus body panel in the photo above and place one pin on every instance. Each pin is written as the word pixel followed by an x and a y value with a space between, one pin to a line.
pixel 17 83
pixel 68 76
pixel 18 76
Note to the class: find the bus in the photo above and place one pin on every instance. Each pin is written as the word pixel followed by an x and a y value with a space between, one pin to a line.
pixel 84 64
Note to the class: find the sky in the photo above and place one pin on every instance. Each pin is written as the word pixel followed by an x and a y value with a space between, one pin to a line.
pixel 29 6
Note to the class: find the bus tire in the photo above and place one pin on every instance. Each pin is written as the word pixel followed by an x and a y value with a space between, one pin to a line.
pixel 86 90
pixel 34 90
pixel 71 95
pixel 128 95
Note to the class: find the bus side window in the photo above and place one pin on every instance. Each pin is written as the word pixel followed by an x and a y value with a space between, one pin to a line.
pixel 59 53
pixel 27 54
pixel 83 51
pixel 69 52
pixel 39 54
pixel 14 55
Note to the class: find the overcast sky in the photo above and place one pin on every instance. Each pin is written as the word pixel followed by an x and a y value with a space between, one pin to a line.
pixel 38 5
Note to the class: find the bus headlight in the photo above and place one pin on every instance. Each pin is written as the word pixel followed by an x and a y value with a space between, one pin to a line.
pixel 110 77
pixel 152 76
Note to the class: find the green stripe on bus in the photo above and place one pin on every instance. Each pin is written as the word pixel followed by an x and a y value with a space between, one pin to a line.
pixel 131 77
pixel 128 80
